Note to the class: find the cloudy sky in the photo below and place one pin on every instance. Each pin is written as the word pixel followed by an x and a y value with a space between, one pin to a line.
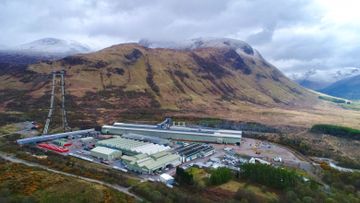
pixel 295 35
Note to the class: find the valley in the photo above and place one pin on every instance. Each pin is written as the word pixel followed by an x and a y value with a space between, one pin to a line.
pixel 202 101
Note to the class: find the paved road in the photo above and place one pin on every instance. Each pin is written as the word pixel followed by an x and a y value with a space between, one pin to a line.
pixel 13 159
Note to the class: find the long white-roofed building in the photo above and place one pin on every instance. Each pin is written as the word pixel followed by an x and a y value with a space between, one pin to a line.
pixel 176 132
pixel 132 147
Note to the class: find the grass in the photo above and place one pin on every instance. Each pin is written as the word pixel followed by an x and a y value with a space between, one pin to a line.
pixel 260 192
pixel 232 186
pixel 333 99
pixel 19 183
pixel 344 103
pixel 355 105
pixel 200 176
pixel 7 129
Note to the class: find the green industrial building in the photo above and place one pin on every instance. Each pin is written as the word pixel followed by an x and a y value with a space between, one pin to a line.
pixel 148 164
pixel 62 142
pixel 132 147
pixel 104 153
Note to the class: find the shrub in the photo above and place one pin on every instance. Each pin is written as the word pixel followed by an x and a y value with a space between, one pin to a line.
pixel 335 130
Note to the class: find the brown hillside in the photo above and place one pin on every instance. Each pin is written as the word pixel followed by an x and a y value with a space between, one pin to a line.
pixel 129 80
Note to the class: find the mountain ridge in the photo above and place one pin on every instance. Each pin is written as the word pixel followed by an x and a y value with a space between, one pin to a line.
pixel 348 88
pixel 130 80
pixel 317 79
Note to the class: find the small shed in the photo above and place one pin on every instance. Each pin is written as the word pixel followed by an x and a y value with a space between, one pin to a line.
pixel 87 140
pixel 63 142
pixel 166 179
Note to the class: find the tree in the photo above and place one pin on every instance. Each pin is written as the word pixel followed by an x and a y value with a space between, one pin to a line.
pixel 220 176
pixel 184 177
pixel 269 176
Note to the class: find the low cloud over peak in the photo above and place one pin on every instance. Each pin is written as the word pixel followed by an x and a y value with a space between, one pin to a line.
pixel 295 35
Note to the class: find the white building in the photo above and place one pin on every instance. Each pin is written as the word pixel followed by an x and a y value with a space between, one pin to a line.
pixel 257 160
pixel 105 153
pixel 166 179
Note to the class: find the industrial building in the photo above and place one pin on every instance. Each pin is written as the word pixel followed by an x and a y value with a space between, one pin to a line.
pixel 87 140
pixel 104 153
pixel 132 147
pixel 152 139
pixel 166 131
pixel 194 151
pixel 44 138
pixel 63 142
pixel 148 164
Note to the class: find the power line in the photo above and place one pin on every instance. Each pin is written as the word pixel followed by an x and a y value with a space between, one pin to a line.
pixel 63 110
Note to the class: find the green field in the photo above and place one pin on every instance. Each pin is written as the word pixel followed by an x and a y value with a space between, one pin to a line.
pixel 355 105
pixel 261 194
pixel 333 99
pixel 344 103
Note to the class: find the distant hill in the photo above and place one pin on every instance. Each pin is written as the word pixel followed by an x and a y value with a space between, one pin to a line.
pixel 348 88
pixel 314 85
pixel 42 49
pixel 317 79
pixel 52 46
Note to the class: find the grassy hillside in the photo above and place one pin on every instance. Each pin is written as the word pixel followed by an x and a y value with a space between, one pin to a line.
pixel 129 81
pixel 19 183
pixel 335 130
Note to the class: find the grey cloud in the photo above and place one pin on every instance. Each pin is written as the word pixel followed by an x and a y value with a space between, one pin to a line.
pixel 264 36
pixel 270 26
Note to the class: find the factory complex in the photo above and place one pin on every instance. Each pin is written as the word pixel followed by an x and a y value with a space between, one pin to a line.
pixel 166 131
pixel 144 149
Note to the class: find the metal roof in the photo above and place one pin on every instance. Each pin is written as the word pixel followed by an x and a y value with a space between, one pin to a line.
pixel 145 138
pixel 184 131
pixel 150 148
pixel 132 145
pixel 152 162
pixel 44 138
pixel 166 176
pixel 104 150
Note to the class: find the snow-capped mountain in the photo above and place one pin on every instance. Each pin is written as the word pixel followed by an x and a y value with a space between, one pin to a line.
pixel 42 49
pixel 52 46
pixel 240 46
pixel 318 79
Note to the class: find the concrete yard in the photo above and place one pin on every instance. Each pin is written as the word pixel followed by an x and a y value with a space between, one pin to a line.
pixel 268 151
